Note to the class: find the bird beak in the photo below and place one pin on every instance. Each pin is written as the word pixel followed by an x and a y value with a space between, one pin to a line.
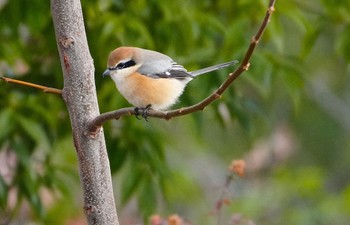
pixel 107 72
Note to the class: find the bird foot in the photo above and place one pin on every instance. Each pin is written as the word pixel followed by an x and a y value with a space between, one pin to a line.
pixel 143 112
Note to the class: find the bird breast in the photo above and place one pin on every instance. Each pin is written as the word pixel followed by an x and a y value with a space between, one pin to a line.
pixel 141 90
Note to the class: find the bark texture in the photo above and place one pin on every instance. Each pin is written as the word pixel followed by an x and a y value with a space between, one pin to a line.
pixel 79 93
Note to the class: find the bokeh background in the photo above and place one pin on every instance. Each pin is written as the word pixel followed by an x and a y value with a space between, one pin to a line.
pixel 288 116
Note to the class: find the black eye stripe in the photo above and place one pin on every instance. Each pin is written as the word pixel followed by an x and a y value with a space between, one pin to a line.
pixel 123 65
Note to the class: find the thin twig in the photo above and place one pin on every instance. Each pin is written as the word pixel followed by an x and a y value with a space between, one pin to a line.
pixel 96 123
pixel 43 88
pixel 222 200
pixel 236 169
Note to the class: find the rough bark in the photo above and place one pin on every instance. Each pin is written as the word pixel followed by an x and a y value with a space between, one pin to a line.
pixel 79 93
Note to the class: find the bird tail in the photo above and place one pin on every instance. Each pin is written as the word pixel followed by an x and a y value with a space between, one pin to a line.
pixel 212 68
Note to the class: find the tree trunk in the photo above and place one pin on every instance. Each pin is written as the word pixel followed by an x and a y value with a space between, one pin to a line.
pixel 79 93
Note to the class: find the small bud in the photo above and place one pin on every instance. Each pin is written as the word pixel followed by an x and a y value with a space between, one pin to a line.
pixel 156 220
pixel 237 167
pixel 174 220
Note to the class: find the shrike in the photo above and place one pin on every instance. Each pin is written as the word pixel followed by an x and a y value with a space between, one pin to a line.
pixel 149 79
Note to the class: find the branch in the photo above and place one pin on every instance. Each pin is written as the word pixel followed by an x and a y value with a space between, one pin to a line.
pixel 40 87
pixel 96 123
pixel 79 94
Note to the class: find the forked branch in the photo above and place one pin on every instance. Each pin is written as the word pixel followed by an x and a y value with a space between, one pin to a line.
pixel 96 123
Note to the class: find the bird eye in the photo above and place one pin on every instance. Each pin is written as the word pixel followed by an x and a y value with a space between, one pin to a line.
pixel 126 64
pixel 121 65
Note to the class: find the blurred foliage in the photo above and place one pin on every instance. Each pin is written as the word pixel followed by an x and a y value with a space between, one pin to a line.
pixel 299 79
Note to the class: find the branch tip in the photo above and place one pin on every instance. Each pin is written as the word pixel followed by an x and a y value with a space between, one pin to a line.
pixel 4 79
pixel 37 86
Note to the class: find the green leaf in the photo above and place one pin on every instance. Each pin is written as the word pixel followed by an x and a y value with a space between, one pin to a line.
pixel 147 198
pixel 130 182
pixel 312 34
pixel 117 155
pixel 343 44
pixel 3 194
pixel 6 124
pixel 35 131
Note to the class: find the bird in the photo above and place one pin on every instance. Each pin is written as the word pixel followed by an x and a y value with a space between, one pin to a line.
pixel 149 79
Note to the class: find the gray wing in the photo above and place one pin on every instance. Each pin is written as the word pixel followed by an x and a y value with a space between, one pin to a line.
pixel 161 66
pixel 176 71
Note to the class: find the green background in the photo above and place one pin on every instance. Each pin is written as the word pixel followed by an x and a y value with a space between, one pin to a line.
pixel 288 116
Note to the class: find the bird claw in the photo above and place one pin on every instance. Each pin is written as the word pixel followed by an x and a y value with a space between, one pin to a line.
pixel 144 112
